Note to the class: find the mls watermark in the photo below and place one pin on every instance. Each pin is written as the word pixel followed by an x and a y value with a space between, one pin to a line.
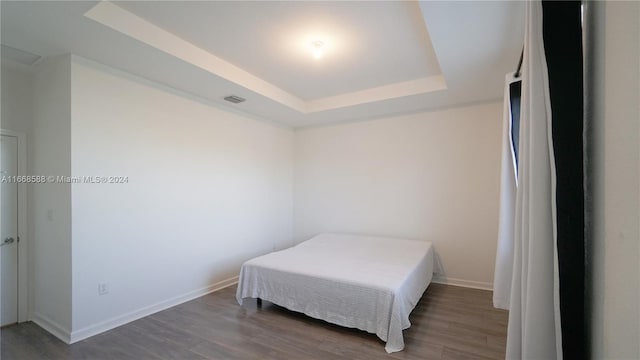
pixel 50 179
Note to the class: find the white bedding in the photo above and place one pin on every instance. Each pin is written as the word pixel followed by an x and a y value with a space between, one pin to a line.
pixel 363 282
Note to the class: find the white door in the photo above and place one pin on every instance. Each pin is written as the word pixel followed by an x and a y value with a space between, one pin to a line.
pixel 9 231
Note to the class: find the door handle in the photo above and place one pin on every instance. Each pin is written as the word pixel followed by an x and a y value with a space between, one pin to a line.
pixel 7 241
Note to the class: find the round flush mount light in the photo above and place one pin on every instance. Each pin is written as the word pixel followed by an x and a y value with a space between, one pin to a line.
pixel 317 48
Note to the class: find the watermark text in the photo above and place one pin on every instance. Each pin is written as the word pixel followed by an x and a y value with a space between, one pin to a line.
pixel 60 179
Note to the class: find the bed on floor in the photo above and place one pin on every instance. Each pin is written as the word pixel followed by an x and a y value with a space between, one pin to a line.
pixel 364 282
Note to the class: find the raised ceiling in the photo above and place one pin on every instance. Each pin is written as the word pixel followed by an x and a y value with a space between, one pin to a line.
pixel 272 40
pixel 380 58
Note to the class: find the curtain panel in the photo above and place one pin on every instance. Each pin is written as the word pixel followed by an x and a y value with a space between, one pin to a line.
pixel 541 235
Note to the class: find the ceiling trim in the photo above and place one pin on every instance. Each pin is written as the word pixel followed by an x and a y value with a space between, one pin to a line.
pixel 380 93
pixel 127 23
pixel 131 25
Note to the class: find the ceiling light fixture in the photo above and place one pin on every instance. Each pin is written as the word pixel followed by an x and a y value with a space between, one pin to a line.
pixel 317 49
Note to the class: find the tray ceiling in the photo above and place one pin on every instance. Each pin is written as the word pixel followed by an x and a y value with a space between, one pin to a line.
pixel 378 58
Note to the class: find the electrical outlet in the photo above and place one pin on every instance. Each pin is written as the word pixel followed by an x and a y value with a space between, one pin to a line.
pixel 103 289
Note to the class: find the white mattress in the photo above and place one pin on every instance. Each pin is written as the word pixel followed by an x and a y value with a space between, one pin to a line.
pixel 363 282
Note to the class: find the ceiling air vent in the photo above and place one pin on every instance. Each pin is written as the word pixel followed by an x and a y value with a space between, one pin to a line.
pixel 234 99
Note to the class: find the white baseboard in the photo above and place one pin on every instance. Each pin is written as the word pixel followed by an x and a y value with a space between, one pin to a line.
pixel 51 326
pixel 438 279
pixel 145 311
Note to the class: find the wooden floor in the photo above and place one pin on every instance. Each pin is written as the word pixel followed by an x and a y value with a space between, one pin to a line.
pixel 448 323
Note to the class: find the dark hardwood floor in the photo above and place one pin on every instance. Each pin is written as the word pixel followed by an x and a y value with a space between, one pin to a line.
pixel 448 323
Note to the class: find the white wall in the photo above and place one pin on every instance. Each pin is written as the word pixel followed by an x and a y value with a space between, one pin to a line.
pixel 51 203
pixel 615 70
pixel 207 189
pixel 431 176
pixel 17 97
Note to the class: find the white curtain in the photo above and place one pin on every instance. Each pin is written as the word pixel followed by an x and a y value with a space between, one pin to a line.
pixel 504 257
pixel 534 312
